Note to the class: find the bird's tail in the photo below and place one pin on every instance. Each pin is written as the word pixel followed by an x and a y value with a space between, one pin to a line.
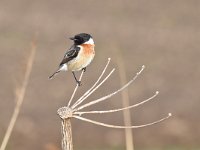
pixel 51 77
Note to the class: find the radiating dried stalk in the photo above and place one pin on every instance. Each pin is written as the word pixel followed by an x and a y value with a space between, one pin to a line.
pixel 116 110
pixel 112 94
pixel 68 112
pixel 80 100
pixel 94 89
pixel 122 127
pixel 19 97
pixel 75 89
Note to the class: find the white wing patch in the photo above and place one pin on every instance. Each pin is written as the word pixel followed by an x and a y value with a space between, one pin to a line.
pixel 63 67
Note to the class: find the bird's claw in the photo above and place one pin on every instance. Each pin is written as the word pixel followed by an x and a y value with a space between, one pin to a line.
pixel 84 69
pixel 79 83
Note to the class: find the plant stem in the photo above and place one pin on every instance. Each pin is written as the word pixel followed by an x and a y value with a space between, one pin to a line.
pixel 19 97
pixel 66 130
pixel 125 103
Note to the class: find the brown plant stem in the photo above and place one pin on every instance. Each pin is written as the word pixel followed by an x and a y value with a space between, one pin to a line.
pixel 66 131
pixel 19 97
pixel 125 103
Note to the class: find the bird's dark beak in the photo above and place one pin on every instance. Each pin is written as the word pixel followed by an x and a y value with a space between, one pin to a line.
pixel 72 38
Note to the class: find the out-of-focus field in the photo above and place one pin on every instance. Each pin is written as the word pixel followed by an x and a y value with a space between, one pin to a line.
pixel 163 35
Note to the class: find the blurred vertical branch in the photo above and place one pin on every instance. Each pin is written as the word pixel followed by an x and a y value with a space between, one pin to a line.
pixel 20 96
pixel 125 102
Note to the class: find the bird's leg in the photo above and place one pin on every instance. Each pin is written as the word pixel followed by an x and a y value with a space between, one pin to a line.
pixel 84 69
pixel 78 82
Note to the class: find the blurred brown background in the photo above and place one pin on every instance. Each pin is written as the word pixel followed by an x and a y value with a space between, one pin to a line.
pixel 163 35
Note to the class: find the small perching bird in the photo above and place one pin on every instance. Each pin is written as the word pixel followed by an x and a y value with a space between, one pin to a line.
pixel 79 56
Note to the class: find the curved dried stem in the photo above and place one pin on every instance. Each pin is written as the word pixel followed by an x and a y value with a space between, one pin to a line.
pixel 120 109
pixel 73 94
pixel 112 94
pixel 87 92
pixel 93 90
pixel 20 96
pixel 122 127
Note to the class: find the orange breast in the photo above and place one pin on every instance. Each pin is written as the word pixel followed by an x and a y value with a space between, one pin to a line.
pixel 88 49
pixel 85 57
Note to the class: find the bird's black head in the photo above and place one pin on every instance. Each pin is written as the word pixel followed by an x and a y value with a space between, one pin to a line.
pixel 81 38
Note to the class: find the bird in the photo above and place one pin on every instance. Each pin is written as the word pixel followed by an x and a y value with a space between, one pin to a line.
pixel 78 56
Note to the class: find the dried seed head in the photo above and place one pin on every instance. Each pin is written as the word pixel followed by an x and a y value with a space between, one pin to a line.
pixel 65 112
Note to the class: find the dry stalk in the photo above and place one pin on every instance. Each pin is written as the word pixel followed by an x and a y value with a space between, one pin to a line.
pixel 73 111
pixel 67 136
pixel 19 97
pixel 125 103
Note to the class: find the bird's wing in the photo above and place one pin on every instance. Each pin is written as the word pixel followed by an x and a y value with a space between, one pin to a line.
pixel 70 54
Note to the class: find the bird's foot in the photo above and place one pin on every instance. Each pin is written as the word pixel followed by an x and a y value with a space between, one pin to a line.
pixel 79 83
pixel 84 69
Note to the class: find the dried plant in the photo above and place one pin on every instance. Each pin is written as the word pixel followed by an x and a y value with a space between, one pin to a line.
pixel 20 92
pixel 125 103
pixel 74 111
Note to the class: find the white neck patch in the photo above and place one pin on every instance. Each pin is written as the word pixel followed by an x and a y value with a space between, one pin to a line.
pixel 90 41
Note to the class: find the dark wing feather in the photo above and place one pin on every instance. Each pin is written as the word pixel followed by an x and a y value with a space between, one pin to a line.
pixel 72 53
